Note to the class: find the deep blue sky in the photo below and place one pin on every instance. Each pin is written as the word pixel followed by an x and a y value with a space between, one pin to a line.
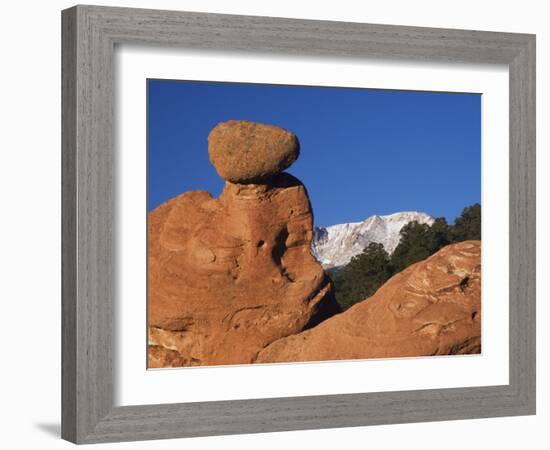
pixel 363 151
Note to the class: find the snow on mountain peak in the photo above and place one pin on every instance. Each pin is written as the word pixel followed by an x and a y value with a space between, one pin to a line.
pixel 334 246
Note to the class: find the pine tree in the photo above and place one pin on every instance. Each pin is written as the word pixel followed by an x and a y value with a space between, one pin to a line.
pixel 362 276
pixel 468 225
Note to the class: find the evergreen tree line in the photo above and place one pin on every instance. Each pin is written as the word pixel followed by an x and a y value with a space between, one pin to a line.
pixel 366 272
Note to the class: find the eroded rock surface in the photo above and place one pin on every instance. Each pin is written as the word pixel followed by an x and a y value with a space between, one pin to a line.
pixel 249 152
pixel 228 276
pixel 431 308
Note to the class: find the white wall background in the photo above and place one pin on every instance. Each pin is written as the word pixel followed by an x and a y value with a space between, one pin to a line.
pixel 31 209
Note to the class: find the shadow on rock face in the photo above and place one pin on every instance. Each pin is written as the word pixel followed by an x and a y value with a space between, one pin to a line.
pixel 330 307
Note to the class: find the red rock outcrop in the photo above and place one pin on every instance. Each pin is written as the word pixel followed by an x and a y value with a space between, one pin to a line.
pixel 229 276
pixel 431 308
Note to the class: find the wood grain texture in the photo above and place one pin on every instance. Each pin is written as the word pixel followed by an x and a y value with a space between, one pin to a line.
pixel 89 36
pixel 523 224
pixel 68 225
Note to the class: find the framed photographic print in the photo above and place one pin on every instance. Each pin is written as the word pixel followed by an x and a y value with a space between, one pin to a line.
pixel 280 224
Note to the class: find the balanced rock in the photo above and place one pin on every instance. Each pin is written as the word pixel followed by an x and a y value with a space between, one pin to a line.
pixel 229 276
pixel 431 308
pixel 247 152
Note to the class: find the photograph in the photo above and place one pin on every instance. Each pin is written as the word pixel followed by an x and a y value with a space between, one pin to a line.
pixel 269 225
pixel 299 224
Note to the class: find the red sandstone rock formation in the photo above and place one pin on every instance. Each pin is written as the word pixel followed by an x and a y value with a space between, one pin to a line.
pixel 232 280
pixel 431 308
pixel 229 276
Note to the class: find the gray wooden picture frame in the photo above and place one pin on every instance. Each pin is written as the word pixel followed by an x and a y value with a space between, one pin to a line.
pixel 89 37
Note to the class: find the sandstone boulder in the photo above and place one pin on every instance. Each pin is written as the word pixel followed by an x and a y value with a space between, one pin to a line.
pixel 431 308
pixel 246 152
pixel 228 276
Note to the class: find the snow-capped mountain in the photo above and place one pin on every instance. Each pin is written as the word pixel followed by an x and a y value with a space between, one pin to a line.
pixel 334 246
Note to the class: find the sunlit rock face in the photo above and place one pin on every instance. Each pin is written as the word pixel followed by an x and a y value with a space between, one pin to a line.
pixel 249 152
pixel 431 308
pixel 229 276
